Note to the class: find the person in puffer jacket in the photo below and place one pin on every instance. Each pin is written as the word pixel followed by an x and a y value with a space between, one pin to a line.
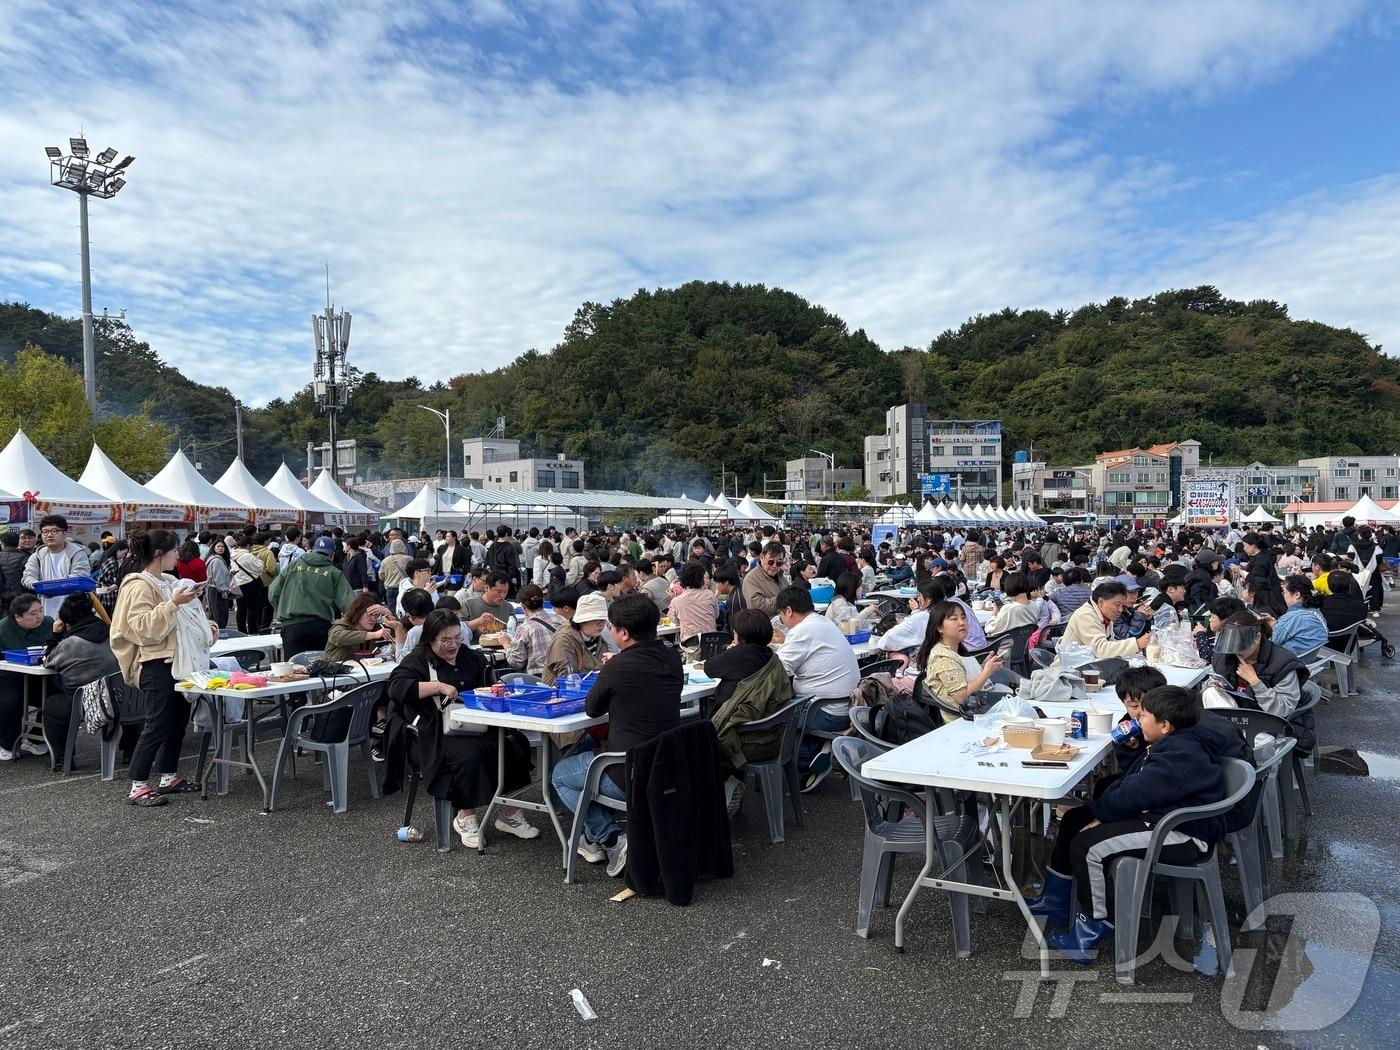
pixel 1183 766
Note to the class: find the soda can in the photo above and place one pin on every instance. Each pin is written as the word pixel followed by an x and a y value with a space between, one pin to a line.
pixel 1079 725
pixel 1125 731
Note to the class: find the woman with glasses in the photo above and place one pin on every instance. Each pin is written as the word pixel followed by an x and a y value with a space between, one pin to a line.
pixel 461 769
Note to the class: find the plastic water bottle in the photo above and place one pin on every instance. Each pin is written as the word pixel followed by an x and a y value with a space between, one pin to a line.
pixel 573 682
pixel 408 833
pixel 510 626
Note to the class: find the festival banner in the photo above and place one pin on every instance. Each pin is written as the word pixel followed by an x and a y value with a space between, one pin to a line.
pixel 177 515
pixel 77 513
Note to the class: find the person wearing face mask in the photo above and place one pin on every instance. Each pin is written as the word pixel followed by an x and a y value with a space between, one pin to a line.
pixel 461 769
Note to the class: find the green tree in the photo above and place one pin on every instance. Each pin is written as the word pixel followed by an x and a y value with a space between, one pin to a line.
pixel 44 395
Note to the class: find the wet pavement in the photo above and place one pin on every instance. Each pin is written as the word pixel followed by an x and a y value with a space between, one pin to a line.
pixel 211 924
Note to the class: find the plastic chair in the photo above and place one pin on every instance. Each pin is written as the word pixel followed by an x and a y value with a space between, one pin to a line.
pixel 521 678
pixel 880 667
pixel 442 808
pixel 1247 844
pixel 1342 650
pixel 248 659
pixel 886 838
pixel 1132 878
pixel 229 632
pixel 711 643
pixel 867 721
pixel 770 774
pixel 131 711
pixel 602 762
pixel 1277 788
pixel 360 701
pixel 1042 657
pixel 1016 642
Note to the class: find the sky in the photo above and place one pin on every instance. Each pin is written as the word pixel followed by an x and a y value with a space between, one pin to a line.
pixel 474 170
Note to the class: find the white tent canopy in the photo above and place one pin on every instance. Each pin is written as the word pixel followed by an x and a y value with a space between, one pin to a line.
pixel 325 488
pixel 749 509
pixel 896 515
pixel 47 489
pixel 927 515
pixel 242 486
pixel 427 505
pixel 1368 510
pixel 179 482
pixel 285 486
pixel 725 508
pixel 138 502
pixel 1261 516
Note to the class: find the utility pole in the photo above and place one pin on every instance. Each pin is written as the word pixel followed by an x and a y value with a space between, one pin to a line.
pixel 238 423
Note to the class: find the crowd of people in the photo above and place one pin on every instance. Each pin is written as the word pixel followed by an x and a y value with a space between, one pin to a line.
pixel 570 602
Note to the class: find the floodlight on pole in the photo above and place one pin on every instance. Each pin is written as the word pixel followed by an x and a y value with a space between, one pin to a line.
pixel 87 178
pixel 446 417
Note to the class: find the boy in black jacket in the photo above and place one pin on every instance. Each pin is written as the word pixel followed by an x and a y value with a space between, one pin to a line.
pixel 1182 767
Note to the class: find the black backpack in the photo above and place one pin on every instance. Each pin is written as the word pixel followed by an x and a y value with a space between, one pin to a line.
pixel 905 718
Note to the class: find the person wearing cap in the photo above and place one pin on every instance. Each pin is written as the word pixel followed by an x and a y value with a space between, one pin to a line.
pixel 1091 625
pixel 574 649
pixel 901 573
pixel 1131 621
pixel 1201 587
pixel 308 596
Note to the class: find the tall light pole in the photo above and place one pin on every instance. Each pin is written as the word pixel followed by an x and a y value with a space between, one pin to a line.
pixel 446 418
pixel 87 177
pixel 238 425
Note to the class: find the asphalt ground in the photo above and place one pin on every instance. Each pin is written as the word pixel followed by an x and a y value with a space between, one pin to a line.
pixel 211 924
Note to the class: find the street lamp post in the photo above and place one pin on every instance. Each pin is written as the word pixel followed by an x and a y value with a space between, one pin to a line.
pixel 446 418
pixel 87 177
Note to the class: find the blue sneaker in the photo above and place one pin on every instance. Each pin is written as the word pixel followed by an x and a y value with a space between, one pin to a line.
pixel 1079 944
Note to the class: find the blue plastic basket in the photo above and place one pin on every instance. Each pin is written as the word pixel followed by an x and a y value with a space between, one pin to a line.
pixel 521 691
pixel 67 585
pixel 30 657
pixel 585 684
pixel 857 637
pixel 824 593
pixel 545 708
pixel 485 700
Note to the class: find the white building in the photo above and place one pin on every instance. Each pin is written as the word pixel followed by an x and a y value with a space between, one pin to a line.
pixel 496 463
pixel 813 478
pixel 1351 477
pixel 962 454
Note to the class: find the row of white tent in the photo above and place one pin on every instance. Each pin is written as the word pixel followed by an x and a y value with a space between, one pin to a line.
pixel 949 513
pixel 103 494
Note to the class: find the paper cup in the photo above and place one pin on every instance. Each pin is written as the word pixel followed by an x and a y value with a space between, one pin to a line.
pixel 1154 654
pixel 1100 723
pixel 281 669
pixel 1052 731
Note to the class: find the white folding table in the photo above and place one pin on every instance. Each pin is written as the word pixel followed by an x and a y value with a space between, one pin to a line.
pixel 31 725
pixel 276 690
pixel 691 695
pixel 937 760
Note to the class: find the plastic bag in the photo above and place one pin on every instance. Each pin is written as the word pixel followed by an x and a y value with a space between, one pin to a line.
pixel 1074 655
pixel 1010 706
pixel 1179 646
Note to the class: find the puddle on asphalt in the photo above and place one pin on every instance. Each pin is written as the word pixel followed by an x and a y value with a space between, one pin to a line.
pixel 1382 767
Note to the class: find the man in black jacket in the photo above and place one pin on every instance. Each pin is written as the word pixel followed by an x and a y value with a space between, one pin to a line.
pixel 639 689
pixel 1200 583
pixel 504 557
pixel 12 562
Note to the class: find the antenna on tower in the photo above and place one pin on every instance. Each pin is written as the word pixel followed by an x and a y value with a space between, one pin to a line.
pixel 331 380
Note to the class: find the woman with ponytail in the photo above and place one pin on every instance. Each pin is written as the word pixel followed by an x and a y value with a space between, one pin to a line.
pixel 152 645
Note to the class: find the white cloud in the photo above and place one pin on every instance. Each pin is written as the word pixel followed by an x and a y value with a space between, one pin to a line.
pixel 903 168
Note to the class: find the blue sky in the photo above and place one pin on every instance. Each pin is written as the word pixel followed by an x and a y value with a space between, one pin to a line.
pixel 473 171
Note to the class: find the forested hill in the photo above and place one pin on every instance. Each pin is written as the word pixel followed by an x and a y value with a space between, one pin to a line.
pixel 658 390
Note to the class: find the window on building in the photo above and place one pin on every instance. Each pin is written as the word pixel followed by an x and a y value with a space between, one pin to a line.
pixel 1367 474
pixel 990 450
pixel 936 452
pixel 514 476
pixel 1120 478
pixel 1141 461
pixel 1388 492
pixel 544 479
pixel 1342 492
pixel 467 460
pixel 1342 472
pixel 571 479
pixel 962 450
pixel 1390 472
pixel 1144 478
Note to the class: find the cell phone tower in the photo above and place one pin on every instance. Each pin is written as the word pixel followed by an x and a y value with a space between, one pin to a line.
pixel 331 382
